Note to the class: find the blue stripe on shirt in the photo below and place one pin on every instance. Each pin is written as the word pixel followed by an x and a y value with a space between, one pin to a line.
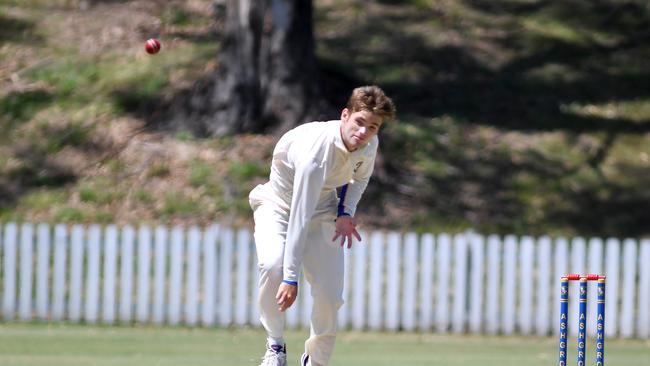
pixel 341 207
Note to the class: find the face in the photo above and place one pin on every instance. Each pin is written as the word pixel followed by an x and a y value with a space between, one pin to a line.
pixel 358 128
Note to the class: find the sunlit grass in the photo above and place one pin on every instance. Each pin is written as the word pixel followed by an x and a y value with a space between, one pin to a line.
pixel 71 345
pixel 555 29
pixel 637 110
pixel 78 81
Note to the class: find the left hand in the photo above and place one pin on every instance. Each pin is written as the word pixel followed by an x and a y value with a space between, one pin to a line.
pixel 286 296
pixel 346 226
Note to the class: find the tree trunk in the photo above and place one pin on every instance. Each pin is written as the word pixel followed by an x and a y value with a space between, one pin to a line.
pixel 266 77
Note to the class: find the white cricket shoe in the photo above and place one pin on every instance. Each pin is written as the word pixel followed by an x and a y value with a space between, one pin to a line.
pixel 276 355
pixel 304 360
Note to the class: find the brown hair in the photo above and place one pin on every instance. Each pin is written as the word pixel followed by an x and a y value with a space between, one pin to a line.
pixel 372 99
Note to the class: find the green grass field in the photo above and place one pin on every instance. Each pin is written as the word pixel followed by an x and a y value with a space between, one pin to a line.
pixel 70 345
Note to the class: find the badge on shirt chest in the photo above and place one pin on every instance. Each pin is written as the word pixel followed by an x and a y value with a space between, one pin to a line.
pixel 357 166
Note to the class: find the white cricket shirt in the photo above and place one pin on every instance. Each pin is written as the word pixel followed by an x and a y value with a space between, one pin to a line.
pixel 309 163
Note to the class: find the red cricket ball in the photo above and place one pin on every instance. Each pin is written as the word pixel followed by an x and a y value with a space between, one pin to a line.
pixel 152 46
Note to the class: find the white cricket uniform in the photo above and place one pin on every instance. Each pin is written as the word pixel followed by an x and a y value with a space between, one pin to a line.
pixel 294 224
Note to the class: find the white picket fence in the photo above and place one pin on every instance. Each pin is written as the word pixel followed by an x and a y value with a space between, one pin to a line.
pixel 429 283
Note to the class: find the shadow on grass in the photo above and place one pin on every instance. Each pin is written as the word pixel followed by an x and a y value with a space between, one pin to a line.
pixel 559 54
pixel 17 30
pixel 21 106
pixel 450 79
pixel 135 102
pixel 30 152
pixel 34 172
pixel 527 93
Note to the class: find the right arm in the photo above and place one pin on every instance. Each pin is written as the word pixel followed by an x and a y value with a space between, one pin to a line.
pixel 307 186
pixel 308 183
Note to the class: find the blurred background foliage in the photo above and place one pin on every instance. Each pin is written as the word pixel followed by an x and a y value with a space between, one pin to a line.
pixel 514 116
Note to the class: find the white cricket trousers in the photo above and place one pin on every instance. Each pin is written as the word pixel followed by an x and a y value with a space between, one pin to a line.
pixel 323 266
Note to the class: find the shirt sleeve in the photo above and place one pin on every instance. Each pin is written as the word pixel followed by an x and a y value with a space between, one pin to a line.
pixel 307 185
pixel 358 185
pixel 359 181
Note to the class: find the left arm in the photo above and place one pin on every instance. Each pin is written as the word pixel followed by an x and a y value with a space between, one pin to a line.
pixel 350 196
pixel 357 186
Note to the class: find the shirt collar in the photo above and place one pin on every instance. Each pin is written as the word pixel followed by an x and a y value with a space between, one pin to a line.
pixel 338 140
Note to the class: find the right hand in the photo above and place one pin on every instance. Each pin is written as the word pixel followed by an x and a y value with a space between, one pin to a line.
pixel 346 227
pixel 286 295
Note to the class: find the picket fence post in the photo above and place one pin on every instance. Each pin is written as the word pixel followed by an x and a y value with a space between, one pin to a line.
pixel 461 283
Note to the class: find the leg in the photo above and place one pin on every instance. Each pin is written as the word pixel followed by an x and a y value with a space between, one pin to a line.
pixel 323 265
pixel 270 234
